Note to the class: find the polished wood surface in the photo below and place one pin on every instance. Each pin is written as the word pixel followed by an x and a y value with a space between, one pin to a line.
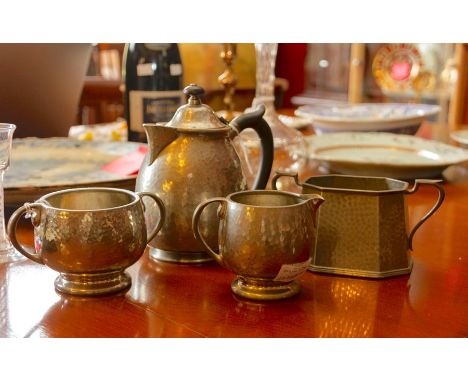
pixel 168 300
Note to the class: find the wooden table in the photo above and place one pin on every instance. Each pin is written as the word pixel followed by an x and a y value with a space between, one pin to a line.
pixel 168 300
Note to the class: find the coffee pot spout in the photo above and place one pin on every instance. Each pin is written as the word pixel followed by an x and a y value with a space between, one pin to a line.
pixel 158 136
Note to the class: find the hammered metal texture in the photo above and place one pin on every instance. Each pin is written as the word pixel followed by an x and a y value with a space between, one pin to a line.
pixel 88 235
pixel 371 238
pixel 190 170
pixel 256 241
pixel 361 233
pixel 90 242
pixel 261 233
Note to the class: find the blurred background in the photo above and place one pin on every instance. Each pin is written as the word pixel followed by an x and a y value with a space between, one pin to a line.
pixel 84 84
pixel 306 74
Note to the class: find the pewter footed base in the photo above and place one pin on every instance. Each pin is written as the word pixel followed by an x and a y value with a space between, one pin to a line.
pixel 179 257
pixel 361 272
pixel 92 284
pixel 264 290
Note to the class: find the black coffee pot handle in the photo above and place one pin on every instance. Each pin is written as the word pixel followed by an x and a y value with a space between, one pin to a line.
pixel 255 121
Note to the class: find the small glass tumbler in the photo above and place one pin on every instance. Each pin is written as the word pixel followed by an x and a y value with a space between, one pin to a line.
pixel 7 252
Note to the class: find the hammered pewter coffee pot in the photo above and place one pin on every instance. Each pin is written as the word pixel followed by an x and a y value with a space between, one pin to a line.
pixel 363 227
pixel 89 235
pixel 191 159
pixel 265 237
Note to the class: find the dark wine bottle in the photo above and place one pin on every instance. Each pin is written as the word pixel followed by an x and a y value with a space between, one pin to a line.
pixel 153 77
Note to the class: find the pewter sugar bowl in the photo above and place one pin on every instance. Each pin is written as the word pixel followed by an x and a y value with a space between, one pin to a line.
pixel 89 235
pixel 192 158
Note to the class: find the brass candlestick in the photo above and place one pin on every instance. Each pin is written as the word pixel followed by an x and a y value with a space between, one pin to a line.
pixel 228 79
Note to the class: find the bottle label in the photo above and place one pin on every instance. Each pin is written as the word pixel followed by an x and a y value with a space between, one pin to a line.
pixel 289 272
pixel 152 107
pixel 146 69
pixel 175 69
pixel 157 46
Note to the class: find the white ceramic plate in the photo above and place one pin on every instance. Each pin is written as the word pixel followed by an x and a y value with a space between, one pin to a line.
pixel 39 166
pixel 460 136
pixel 366 117
pixel 294 122
pixel 383 154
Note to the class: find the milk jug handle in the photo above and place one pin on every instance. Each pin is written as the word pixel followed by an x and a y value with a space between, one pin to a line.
pixel 255 121
pixel 196 224
pixel 440 199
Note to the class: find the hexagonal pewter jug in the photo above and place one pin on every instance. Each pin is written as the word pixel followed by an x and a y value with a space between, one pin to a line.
pixel 362 226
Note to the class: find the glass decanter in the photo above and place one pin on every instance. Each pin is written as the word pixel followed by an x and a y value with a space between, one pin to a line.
pixel 289 143
pixel 7 252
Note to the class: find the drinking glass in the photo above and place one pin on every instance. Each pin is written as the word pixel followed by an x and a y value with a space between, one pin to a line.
pixel 7 252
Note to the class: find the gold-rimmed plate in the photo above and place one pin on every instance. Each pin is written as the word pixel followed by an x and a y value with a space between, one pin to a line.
pixel 383 154
pixel 42 165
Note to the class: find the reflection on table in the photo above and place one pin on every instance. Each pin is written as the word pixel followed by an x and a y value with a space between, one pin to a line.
pixel 169 300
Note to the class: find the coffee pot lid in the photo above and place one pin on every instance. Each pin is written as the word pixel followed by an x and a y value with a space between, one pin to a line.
pixel 195 114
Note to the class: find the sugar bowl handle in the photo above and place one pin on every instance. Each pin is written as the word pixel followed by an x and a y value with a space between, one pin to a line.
pixel 196 224
pixel 440 199
pixel 162 213
pixel 34 211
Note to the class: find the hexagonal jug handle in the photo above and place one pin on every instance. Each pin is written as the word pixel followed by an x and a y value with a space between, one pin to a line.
pixel 440 199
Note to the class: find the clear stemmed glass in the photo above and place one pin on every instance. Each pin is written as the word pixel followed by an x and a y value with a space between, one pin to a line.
pixel 289 143
pixel 7 252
